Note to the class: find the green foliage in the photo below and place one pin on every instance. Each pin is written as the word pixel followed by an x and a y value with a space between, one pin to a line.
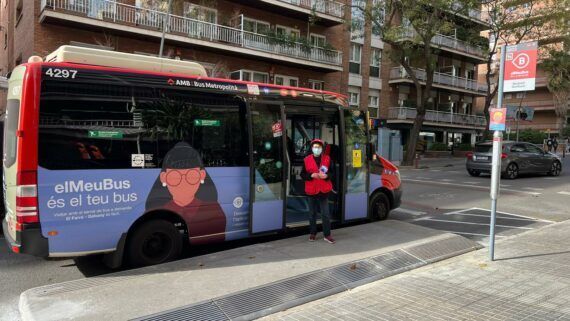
pixel 557 65
pixel 532 136
pixel 465 147
pixel 566 131
pixel 172 116
pixel 438 147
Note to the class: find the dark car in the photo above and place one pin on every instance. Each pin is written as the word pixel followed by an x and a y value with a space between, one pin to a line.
pixel 516 158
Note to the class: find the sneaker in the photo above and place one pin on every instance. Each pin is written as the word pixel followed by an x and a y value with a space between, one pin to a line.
pixel 329 239
pixel 312 237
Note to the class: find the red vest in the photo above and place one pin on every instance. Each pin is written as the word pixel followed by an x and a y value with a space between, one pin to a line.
pixel 315 185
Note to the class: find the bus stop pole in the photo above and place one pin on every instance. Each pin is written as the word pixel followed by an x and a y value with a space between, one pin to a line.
pixel 496 162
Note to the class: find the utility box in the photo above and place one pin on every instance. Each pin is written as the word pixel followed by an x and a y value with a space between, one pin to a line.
pixel 390 145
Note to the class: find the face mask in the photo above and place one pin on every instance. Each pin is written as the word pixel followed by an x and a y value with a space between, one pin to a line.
pixel 317 151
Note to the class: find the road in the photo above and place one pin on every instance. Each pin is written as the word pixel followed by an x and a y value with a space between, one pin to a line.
pixel 444 198
pixel 447 198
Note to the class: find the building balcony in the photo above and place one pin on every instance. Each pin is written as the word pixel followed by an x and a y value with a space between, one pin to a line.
pixel 440 80
pixel 433 117
pixel 121 17
pixel 330 11
pixel 450 44
pixel 473 14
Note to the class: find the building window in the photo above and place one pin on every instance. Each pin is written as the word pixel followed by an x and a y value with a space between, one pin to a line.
pixel 373 106
pixel 355 52
pixel 5 39
pixel 520 95
pixel 250 75
pixel 375 57
pixel 255 26
pixel 19 11
pixel 353 98
pixel 201 13
pixel 318 40
pixel 283 80
pixel 316 84
pixel 287 31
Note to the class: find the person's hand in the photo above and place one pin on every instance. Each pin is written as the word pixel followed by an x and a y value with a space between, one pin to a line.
pixel 323 175
pixel 315 175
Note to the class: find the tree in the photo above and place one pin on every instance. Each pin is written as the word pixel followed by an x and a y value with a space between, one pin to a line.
pixel 512 22
pixel 557 66
pixel 425 18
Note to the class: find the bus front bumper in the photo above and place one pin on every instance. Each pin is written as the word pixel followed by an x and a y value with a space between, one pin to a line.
pixel 397 197
pixel 29 241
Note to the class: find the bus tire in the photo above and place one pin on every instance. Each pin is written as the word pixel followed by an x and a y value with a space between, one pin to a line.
pixel 379 207
pixel 154 242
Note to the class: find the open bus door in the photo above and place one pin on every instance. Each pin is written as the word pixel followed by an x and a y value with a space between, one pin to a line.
pixel 356 172
pixel 268 167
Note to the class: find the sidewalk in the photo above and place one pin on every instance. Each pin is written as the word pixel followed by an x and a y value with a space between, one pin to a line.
pixel 530 280
pixel 241 281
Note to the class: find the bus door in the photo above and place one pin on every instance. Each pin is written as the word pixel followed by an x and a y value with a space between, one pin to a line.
pixel 268 167
pixel 356 174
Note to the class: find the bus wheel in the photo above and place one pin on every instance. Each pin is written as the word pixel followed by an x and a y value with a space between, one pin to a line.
pixel 154 242
pixel 380 207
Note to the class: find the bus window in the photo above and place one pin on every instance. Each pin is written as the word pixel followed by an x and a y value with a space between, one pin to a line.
pixel 10 138
pixel 101 125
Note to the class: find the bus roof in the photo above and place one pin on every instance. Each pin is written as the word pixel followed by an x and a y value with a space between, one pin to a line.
pixel 98 57
pixel 221 85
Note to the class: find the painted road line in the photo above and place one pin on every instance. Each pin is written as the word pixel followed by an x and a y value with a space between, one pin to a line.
pixel 447 180
pixel 456 172
pixel 471 182
pixel 408 211
pixel 472 186
pixel 564 193
pixel 551 178
pixel 498 216
pixel 471 223
pixel 506 185
pixel 503 212
pixel 435 170
pixel 476 234
pixel 534 188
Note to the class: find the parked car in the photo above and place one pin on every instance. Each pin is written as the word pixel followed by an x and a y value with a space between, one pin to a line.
pixel 516 158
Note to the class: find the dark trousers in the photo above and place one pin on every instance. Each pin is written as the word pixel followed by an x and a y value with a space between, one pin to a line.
pixel 320 202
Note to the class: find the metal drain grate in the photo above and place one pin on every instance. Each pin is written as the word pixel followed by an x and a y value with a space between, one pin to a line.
pixel 273 297
pixel 443 249
pixel 397 261
pixel 356 273
pixel 279 295
pixel 203 311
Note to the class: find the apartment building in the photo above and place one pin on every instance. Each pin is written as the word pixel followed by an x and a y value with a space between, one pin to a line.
pixel 453 116
pixel 286 42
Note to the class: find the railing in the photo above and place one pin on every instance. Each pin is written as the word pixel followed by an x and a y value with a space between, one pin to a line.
pixel 437 116
pixel 472 13
pixel 440 79
pixel 126 14
pixel 448 42
pixel 329 7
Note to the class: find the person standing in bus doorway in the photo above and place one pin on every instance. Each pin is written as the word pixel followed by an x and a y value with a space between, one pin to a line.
pixel 318 185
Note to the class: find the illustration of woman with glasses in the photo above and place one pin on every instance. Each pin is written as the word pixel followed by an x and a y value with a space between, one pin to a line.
pixel 184 187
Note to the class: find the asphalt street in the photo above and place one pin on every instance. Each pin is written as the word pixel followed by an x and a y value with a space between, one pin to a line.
pixel 445 197
pixel 439 197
